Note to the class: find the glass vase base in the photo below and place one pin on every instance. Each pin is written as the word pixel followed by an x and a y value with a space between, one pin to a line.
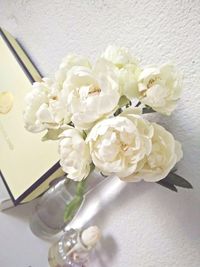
pixel 40 229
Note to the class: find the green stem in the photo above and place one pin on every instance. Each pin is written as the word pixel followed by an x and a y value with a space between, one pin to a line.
pixel 72 207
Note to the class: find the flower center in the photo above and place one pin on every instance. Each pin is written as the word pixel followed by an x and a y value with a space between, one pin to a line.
pixel 124 147
pixel 150 83
pixel 94 90
pixel 54 97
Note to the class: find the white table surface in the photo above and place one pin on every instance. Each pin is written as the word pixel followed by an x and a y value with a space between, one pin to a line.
pixel 146 226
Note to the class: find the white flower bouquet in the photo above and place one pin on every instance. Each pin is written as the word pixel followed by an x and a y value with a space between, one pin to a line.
pixel 96 113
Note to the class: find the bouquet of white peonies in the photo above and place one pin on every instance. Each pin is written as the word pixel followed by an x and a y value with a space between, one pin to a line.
pixel 96 113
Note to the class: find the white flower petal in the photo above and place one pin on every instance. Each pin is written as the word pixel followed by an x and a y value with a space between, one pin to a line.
pixel 91 93
pixel 160 88
pixel 118 144
pixel 76 163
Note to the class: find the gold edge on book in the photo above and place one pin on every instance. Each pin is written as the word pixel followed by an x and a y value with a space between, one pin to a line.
pixel 23 56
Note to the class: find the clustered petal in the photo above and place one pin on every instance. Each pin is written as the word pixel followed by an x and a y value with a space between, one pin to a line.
pixel 87 96
pixel 74 155
pixel 160 88
pixel 133 148
pixel 39 115
pixel 91 93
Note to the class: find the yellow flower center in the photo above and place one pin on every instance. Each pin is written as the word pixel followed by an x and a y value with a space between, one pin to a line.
pixel 54 97
pixel 124 147
pixel 94 90
pixel 151 82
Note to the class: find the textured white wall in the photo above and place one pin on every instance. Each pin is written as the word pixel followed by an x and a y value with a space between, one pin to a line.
pixel 147 226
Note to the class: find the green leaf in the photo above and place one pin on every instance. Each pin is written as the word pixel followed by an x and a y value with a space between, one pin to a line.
pixel 167 185
pixel 80 188
pixel 84 134
pixel 117 112
pixel 138 104
pixel 123 101
pixel 175 179
pixel 147 110
pixel 129 104
pixel 52 134
pixel 71 124
pixel 174 169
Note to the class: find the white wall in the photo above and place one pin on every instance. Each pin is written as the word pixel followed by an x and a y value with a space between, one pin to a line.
pixel 147 226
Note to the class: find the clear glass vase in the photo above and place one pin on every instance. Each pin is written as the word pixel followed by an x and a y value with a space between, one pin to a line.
pixel 48 218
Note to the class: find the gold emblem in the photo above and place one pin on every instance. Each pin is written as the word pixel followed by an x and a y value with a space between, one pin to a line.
pixel 6 102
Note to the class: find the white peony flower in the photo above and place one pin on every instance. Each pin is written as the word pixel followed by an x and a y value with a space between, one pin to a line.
pixel 118 144
pixel 91 93
pixel 35 100
pixel 160 88
pixel 74 154
pixel 67 63
pixel 119 56
pixel 128 69
pixel 165 153
pixel 44 108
